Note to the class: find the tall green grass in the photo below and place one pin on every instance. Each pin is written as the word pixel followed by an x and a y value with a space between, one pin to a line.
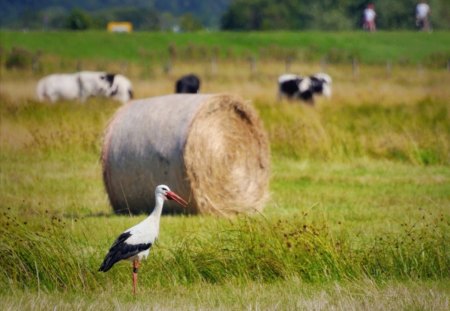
pixel 359 192
pixel 42 257
pixel 52 255
pixel 417 134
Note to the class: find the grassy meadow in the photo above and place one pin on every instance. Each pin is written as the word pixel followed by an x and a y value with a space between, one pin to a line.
pixel 152 48
pixel 359 214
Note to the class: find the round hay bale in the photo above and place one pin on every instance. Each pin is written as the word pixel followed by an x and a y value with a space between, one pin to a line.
pixel 210 149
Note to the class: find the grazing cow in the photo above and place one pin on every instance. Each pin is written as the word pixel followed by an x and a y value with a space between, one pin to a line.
pixel 187 84
pixel 80 85
pixel 289 86
pixel 294 86
pixel 120 87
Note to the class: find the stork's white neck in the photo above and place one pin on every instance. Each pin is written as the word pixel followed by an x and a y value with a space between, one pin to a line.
pixel 159 202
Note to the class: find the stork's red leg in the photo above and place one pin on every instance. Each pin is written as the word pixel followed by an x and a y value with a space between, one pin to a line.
pixel 135 274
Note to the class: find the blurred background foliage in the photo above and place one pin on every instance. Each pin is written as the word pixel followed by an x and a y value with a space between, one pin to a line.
pixel 193 15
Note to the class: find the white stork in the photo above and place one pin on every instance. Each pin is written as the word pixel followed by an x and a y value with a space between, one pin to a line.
pixel 134 244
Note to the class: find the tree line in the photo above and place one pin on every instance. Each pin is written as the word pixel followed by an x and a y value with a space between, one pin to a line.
pixel 94 14
pixel 144 19
pixel 232 15
pixel 327 14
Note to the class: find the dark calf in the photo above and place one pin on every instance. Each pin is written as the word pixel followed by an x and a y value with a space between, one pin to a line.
pixel 187 84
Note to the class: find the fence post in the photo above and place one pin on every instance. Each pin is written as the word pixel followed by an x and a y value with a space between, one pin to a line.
pixel 323 64
pixel 287 64
pixel 252 61
pixel 167 68
pixel 124 67
pixel 355 67
pixel 389 68
pixel 213 65
pixel 35 64
pixel 420 69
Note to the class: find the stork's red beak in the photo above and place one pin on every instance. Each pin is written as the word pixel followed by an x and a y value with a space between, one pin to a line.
pixel 173 196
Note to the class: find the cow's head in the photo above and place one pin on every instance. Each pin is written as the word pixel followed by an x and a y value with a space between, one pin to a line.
pixel 325 81
pixel 106 87
pixel 120 87
pixel 109 77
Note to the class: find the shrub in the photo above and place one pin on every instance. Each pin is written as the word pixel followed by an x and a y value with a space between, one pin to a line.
pixel 19 58
pixel 78 20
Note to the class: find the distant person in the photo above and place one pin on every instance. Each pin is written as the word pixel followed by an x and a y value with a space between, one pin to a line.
pixel 422 16
pixel 369 18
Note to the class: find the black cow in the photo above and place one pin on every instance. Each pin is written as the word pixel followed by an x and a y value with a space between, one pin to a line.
pixel 188 84
pixel 294 86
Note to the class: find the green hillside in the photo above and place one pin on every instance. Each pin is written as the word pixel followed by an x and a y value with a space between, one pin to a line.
pixel 403 47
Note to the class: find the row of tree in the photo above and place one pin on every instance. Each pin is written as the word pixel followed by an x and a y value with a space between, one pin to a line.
pixel 224 14
pixel 145 14
pixel 77 19
pixel 328 14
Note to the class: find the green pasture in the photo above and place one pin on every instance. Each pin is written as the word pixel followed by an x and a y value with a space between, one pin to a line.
pixel 373 48
pixel 335 219
pixel 359 212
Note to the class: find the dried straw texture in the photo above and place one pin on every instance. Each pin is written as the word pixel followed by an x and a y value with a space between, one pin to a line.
pixel 210 149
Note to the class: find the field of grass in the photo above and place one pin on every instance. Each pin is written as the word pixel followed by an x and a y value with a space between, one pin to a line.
pixel 359 215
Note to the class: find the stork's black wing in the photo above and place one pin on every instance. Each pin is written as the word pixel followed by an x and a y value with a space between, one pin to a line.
pixel 122 250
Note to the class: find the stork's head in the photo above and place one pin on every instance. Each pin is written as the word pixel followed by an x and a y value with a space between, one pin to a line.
pixel 165 192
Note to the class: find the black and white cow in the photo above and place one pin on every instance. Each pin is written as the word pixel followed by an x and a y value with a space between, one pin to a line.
pixel 82 85
pixel 294 86
pixel 187 84
pixel 71 86
pixel 120 87
pixel 289 86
